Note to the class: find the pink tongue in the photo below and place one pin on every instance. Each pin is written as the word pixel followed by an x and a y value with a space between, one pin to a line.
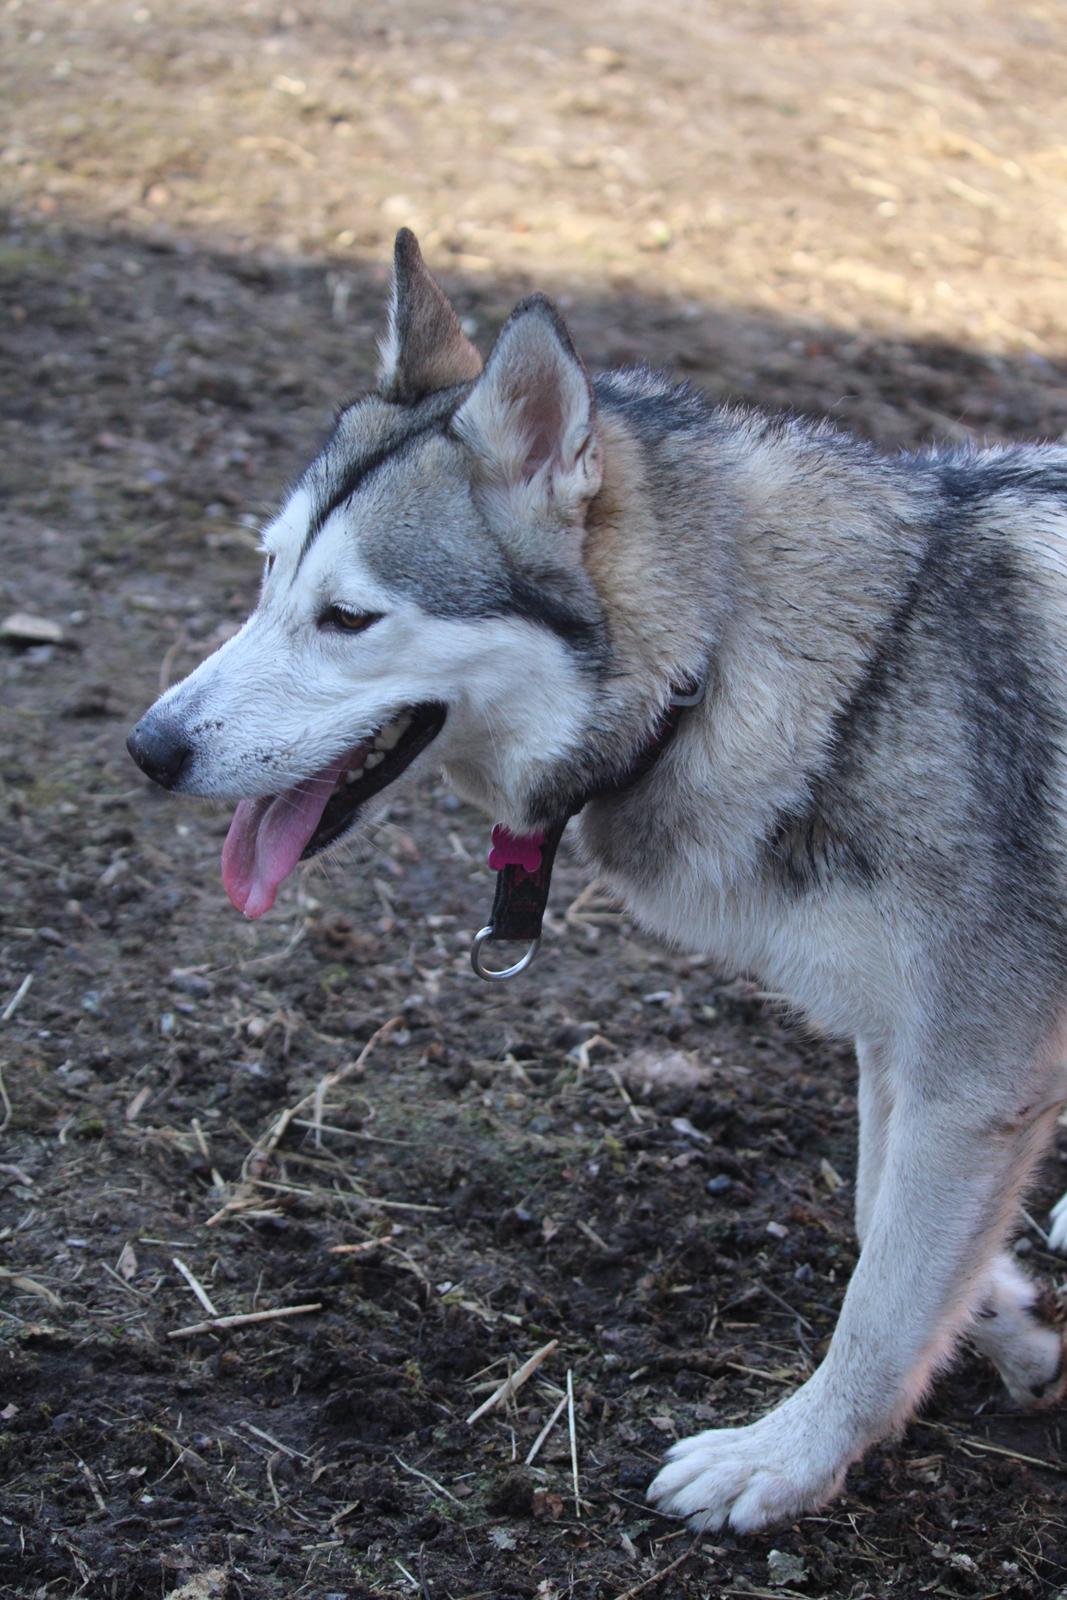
pixel 267 838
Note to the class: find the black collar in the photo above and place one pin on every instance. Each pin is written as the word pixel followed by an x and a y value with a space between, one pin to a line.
pixel 522 886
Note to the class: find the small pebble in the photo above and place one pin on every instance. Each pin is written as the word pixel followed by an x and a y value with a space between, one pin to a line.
pixel 23 629
pixel 191 983
pixel 783 1568
pixel 720 1184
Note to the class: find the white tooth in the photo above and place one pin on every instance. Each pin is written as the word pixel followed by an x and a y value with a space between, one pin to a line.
pixel 352 777
pixel 375 758
pixel 389 737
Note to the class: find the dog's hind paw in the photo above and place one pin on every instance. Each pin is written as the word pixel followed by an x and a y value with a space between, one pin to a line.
pixel 1020 1329
pixel 1034 1369
pixel 748 1478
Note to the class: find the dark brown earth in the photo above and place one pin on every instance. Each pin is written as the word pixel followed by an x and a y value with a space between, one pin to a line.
pixel 845 209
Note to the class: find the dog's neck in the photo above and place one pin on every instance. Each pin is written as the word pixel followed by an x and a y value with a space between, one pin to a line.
pixel 662 620
pixel 777 557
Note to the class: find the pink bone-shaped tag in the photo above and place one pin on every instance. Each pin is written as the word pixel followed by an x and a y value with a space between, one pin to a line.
pixel 511 850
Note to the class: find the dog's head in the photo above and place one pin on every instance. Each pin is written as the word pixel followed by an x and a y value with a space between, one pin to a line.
pixel 424 598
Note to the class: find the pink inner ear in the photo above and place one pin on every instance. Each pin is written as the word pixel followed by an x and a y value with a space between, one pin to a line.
pixel 542 418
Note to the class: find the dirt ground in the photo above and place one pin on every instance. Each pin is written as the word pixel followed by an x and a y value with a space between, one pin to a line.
pixel 627 1156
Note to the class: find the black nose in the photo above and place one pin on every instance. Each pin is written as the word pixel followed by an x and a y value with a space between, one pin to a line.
pixel 160 750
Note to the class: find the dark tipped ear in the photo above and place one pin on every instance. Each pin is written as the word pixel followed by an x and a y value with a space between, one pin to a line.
pixel 424 347
pixel 531 418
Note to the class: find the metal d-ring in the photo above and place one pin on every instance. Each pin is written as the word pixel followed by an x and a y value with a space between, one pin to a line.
pixel 488 973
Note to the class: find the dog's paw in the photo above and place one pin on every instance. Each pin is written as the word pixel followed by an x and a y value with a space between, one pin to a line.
pixel 1034 1369
pixel 750 1478
pixel 1030 1354
pixel 1057 1233
pixel 1020 1329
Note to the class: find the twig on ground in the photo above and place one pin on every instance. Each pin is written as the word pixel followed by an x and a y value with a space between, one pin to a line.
pixel 349 1133
pixel 574 1441
pixel 989 1449
pixel 535 1448
pixel 241 1319
pixel 793 1312
pixel 767 1594
pixel 624 1093
pixel 94 1487
pixel 581 1053
pixel 25 1285
pixel 273 955
pixel 425 1476
pixel 583 909
pixel 195 1285
pixel 17 998
pixel 511 1385
pixel 277 1443
pixel 264 1148
pixel 759 1372
pixel 361 1248
pixel 137 1104
pixel 665 1572
pixel 18 1174
pixel 592 1235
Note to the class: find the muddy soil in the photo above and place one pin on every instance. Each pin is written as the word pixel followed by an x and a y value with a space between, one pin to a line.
pixel 628 1156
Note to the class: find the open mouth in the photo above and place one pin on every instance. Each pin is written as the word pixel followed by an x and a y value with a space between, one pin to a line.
pixel 269 836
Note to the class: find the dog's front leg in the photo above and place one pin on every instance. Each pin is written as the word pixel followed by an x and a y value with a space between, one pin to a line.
pixel 948 1190
pixel 874 1103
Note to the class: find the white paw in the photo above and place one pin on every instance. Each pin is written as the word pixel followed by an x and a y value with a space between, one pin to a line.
pixel 1057 1233
pixel 749 1478
pixel 1034 1371
pixel 1016 1328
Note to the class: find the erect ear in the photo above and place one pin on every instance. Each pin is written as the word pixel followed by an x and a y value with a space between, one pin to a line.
pixel 531 417
pixel 424 347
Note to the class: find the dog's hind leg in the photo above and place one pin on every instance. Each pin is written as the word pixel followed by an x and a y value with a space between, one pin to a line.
pixel 1013 1325
pixel 951 1179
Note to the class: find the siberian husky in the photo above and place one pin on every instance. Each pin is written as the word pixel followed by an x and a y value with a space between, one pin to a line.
pixel 508 570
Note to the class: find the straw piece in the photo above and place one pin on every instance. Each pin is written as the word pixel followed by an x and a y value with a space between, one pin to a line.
pixel 515 1382
pixel 241 1320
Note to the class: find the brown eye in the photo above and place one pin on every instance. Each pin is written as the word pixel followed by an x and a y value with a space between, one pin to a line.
pixel 346 621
